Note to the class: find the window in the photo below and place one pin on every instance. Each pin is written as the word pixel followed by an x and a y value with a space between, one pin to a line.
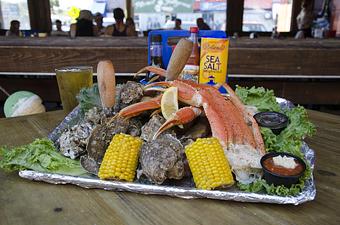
pixel 68 10
pixel 264 15
pixel 14 10
pixel 161 14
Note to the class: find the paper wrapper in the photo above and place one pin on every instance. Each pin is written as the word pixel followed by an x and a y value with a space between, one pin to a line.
pixel 183 191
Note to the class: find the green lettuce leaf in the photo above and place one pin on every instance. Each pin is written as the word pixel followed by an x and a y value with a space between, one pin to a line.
pixel 89 98
pixel 290 140
pixel 261 186
pixel 40 155
pixel 262 98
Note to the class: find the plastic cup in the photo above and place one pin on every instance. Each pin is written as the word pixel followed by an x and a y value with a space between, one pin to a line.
pixel 70 81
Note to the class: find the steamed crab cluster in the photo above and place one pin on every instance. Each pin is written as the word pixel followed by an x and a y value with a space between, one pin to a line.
pixel 162 154
pixel 160 159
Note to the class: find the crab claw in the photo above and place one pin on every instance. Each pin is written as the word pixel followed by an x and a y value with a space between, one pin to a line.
pixel 165 84
pixel 188 92
pixel 153 69
pixel 182 116
pixel 140 107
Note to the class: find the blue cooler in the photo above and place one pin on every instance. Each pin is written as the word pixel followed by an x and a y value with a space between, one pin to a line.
pixel 168 34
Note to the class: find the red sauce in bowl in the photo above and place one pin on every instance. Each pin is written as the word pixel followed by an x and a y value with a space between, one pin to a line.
pixel 269 165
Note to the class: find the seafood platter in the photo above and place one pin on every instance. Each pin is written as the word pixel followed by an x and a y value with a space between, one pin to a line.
pixel 179 138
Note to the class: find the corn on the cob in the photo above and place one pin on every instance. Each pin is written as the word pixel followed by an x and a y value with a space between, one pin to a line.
pixel 121 158
pixel 208 164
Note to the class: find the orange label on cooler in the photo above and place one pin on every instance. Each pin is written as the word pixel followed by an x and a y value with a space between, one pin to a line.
pixel 213 61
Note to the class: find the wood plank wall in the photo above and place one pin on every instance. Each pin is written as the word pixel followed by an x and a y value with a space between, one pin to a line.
pixel 260 56
pixel 263 60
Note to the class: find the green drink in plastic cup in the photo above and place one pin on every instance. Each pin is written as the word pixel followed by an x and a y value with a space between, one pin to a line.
pixel 70 81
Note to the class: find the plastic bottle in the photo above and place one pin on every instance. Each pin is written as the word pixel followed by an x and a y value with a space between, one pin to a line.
pixel 191 69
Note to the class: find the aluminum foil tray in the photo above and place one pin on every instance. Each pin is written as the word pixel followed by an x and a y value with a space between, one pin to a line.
pixel 181 191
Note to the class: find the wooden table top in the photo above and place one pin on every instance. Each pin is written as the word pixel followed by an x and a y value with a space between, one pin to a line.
pixel 27 202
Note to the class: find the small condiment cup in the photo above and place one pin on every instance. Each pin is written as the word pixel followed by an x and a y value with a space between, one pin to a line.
pixel 273 120
pixel 277 179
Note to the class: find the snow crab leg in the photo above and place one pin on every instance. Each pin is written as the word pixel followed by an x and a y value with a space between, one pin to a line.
pixel 187 92
pixel 225 120
pixel 182 116
pixel 138 108
pixel 153 69
pixel 248 117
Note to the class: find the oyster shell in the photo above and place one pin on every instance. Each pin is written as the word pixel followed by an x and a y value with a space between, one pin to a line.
pixel 99 141
pixel 162 159
pixel 200 129
pixel 73 141
pixel 150 128
pixel 94 116
pixel 135 126
pixel 127 94
pixel 132 92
